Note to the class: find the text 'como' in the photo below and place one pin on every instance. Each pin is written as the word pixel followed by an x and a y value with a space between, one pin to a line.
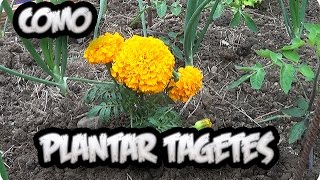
pixel 44 19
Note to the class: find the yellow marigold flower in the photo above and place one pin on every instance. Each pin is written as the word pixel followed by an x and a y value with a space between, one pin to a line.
pixel 189 83
pixel 145 64
pixel 204 123
pixel 104 49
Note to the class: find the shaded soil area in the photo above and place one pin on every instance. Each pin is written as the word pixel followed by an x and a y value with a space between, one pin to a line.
pixel 27 107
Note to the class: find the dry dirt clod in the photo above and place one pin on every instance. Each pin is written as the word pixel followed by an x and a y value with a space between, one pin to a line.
pixel 213 69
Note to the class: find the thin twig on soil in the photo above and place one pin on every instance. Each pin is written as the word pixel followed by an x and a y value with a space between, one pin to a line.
pixel 240 110
pixel 272 112
pixel 196 106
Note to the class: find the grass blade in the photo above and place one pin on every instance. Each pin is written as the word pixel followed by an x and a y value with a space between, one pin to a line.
pixel 6 22
pixel 304 5
pixel 102 10
pixel 143 19
pixel 294 13
pixel 205 28
pixel 287 21
pixel 64 55
pixel 44 45
pixel 188 41
pixel 57 56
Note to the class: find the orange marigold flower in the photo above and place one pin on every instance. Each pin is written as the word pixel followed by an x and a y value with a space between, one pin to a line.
pixel 145 64
pixel 104 49
pixel 189 83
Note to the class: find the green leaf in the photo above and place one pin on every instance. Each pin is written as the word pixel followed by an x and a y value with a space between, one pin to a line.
pixel 173 35
pixel 249 22
pixel 239 81
pixel 165 41
pixel 307 72
pixel 276 58
pixel 291 55
pixel 265 53
pixel 90 95
pixel 161 9
pixel 116 112
pixel 297 131
pixel 294 112
pixel 177 52
pixel 175 8
pixel 94 111
pixel 218 12
pixel 296 43
pixel 229 1
pixel 257 78
pixel 287 75
pixel 303 104
pixel 236 20
pixel 245 69
pixel 107 114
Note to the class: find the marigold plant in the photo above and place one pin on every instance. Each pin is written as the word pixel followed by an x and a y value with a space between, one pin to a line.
pixel 189 83
pixel 104 49
pixel 145 64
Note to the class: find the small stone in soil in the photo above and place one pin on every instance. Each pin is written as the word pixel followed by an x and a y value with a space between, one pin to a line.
pixel 91 123
pixel 2 79
pixel 213 69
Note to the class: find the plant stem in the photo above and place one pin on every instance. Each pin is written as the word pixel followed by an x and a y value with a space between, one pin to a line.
pixel 314 88
pixel 88 81
pixel 143 19
pixel 28 77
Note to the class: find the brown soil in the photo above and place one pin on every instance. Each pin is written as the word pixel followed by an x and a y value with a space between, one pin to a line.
pixel 27 107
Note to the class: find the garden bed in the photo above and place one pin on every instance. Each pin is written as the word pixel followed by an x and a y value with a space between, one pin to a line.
pixel 27 107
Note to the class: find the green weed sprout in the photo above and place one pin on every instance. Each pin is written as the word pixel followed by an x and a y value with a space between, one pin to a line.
pixel 52 60
pixel 291 67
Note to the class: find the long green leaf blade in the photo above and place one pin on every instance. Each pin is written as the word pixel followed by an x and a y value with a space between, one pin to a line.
pixel 239 81
pixel 103 7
